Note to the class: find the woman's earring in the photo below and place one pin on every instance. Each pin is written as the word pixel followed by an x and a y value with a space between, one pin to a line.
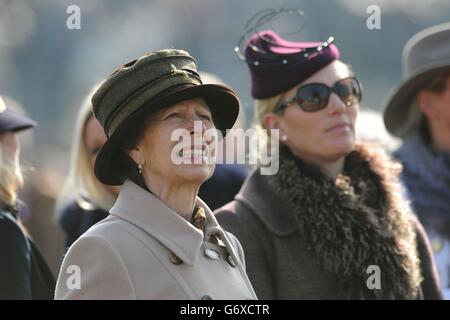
pixel 284 138
pixel 140 169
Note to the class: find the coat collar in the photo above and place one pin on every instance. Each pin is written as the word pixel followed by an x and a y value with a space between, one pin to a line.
pixel 354 221
pixel 149 213
pixel 259 196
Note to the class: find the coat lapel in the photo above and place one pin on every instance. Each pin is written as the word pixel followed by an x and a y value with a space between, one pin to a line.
pixel 150 214
pixel 261 199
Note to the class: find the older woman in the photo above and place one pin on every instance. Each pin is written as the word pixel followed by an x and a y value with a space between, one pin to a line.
pixel 332 223
pixel 160 240
pixel 84 200
pixel 24 273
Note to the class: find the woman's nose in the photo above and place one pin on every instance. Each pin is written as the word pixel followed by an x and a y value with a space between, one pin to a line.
pixel 336 105
pixel 195 124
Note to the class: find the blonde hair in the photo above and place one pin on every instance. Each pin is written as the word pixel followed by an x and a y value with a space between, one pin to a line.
pixel 264 106
pixel 11 180
pixel 261 108
pixel 81 181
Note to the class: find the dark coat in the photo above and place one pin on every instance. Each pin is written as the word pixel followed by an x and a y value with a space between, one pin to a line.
pixel 305 238
pixel 75 221
pixel 224 184
pixel 24 274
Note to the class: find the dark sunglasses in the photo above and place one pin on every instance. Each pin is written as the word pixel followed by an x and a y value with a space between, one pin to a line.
pixel 314 96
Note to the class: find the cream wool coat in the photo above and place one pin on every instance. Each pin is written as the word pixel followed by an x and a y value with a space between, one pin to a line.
pixel 127 256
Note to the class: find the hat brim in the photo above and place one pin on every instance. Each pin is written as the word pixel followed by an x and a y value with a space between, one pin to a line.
pixel 111 162
pixel 398 103
pixel 13 121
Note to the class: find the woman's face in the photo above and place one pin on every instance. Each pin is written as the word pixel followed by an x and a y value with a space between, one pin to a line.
pixel 95 138
pixel 436 107
pixel 10 149
pixel 324 135
pixel 156 149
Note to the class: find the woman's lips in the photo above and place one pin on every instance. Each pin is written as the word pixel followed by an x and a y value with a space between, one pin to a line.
pixel 193 152
pixel 342 127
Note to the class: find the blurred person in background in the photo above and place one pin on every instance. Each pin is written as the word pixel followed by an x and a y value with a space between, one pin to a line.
pixel 227 178
pixel 84 200
pixel 160 240
pixel 24 274
pixel 334 210
pixel 418 111
pixel 36 214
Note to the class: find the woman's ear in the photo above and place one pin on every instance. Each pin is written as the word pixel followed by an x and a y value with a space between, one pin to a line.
pixel 136 155
pixel 272 121
pixel 425 101
pixel 268 121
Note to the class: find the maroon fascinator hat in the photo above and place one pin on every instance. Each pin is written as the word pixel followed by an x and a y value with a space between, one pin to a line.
pixel 277 65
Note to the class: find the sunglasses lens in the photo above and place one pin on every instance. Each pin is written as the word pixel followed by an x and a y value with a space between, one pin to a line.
pixel 349 91
pixel 313 97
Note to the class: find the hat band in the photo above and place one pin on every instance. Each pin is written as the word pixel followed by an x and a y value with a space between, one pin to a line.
pixel 147 93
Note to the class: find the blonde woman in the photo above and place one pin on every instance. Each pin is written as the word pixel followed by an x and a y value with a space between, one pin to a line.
pixel 85 200
pixel 24 274
pixel 227 178
pixel 332 223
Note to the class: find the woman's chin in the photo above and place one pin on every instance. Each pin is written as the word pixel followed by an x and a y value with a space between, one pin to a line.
pixel 195 172
pixel 342 147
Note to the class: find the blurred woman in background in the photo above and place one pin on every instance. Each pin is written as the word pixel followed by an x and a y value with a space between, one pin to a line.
pixel 228 177
pixel 24 274
pixel 85 200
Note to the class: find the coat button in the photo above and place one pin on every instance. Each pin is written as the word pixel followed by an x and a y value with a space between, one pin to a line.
pixel 212 254
pixel 231 261
pixel 174 259
pixel 206 297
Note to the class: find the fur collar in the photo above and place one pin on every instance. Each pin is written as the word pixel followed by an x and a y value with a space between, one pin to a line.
pixel 356 221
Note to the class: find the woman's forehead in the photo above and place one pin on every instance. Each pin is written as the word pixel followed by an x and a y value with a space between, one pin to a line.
pixel 328 75
pixel 196 102
pixel 332 72
pixel 336 70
